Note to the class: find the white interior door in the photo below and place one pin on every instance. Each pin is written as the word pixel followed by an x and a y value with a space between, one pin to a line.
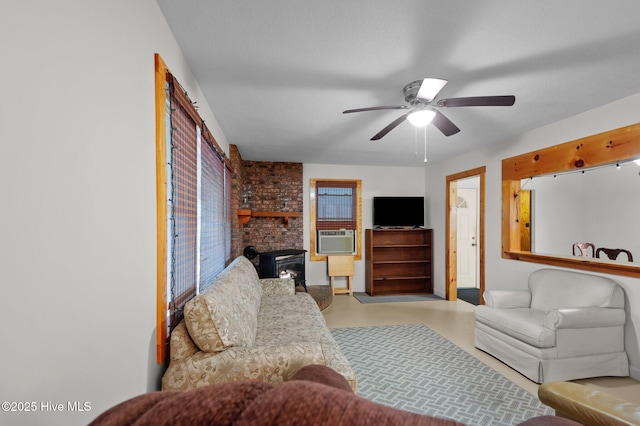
pixel 467 244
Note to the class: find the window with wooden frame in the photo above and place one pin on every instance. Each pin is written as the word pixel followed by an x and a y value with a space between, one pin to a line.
pixel 193 199
pixel 335 205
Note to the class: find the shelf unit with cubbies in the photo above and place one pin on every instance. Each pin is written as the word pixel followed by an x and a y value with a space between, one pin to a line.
pixel 399 261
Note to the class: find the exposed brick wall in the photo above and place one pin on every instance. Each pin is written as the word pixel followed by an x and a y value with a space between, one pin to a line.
pixel 272 185
pixel 267 186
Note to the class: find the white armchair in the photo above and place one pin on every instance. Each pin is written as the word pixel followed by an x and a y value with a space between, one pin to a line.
pixel 565 326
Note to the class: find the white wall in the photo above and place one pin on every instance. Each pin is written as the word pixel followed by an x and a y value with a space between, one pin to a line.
pixel 558 213
pixel 376 181
pixel 504 273
pixel 78 251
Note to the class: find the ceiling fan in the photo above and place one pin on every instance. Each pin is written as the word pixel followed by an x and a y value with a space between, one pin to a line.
pixel 420 95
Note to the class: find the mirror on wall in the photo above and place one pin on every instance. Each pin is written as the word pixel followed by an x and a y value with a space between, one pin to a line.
pixel 574 207
pixel 597 206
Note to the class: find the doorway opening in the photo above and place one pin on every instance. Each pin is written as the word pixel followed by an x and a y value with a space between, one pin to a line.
pixel 465 233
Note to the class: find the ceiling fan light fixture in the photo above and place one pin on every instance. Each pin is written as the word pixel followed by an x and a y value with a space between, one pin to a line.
pixel 421 117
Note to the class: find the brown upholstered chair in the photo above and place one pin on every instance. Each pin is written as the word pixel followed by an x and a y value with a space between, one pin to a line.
pixel 588 405
pixel 613 253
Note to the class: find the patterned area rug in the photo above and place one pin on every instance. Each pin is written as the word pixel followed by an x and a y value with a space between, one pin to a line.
pixel 413 368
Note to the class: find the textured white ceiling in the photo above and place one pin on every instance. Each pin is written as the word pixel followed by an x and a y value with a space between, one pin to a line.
pixel 278 74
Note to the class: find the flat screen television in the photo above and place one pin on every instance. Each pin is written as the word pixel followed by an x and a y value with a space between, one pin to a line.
pixel 398 211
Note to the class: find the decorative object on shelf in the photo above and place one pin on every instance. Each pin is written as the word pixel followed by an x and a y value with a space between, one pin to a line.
pixel 247 193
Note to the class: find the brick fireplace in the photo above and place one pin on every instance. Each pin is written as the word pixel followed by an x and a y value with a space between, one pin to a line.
pixel 270 187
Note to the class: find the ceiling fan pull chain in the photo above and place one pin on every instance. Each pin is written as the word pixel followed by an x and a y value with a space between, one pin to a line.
pixel 415 141
pixel 425 144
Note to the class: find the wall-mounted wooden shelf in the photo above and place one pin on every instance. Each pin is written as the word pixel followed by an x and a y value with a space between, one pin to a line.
pixel 245 216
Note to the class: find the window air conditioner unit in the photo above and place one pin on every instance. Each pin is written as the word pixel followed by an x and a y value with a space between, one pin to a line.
pixel 337 241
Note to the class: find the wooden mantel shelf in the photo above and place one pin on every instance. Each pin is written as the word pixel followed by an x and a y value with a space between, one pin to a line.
pixel 245 216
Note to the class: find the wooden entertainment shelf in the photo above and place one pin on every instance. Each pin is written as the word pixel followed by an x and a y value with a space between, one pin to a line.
pixel 399 261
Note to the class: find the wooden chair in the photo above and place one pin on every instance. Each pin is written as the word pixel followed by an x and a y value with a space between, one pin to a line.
pixel 613 253
pixel 583 249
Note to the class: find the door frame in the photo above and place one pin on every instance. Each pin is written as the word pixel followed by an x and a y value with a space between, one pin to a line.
pixel 451 261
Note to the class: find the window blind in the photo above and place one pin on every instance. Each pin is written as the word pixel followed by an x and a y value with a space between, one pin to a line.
pixel 336 205
pixel 198 207
pixel 213 235
pixel 183 201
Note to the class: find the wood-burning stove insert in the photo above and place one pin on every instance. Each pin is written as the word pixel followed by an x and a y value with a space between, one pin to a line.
pixel 283 264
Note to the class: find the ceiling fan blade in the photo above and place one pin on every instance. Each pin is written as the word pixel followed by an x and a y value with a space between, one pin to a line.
pixel 375 108
pixel 445 125
pixel 478 101
pixel 390 127
pixel 430 88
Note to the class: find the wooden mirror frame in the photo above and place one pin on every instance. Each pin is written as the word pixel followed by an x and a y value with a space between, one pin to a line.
pixel 611 147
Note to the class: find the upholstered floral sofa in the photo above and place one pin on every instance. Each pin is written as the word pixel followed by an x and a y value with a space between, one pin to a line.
pixel 245 328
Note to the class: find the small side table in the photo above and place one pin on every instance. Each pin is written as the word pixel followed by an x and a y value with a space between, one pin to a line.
pixel 341 266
